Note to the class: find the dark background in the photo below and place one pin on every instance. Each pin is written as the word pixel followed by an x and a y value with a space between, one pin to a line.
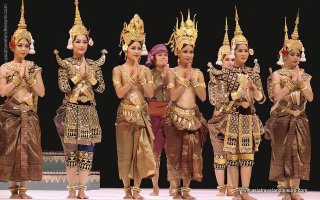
pixel 261 21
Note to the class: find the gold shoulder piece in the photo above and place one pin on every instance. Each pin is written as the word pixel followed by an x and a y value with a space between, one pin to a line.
pixel 102 59
pixel 59 59
pixel 256 67
pixel 215 71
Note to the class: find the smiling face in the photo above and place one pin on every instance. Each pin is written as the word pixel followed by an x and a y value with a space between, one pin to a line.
pixel 227 61
pixel 241 54
pixel 21 49
pixel 186 55
pixel 80 45
pixel 161 59
pixel 292 59
pixel 134 51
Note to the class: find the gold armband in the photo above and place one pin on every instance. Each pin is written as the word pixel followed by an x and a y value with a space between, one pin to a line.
pixel 258 97
pixel 203 85
pixel 76 79
pixel 115 81
pixel 31 81
pixel 142 81
pixel 17 80
pixel 302 85
pixel 273 83
pixel 171 85
pixel 237 95
pixel 92 80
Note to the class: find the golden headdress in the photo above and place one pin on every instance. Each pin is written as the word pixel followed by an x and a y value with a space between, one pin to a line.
pixel 134 31
pixel 78 28
pixel 22 33
pixel 225 48
pixel 238 37
pixel 293 43
pixel 186 34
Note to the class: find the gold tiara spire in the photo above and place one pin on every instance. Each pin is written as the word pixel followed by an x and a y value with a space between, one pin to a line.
pixel 187 33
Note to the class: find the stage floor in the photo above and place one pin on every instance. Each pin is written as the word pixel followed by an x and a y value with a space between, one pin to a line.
pixel 117 193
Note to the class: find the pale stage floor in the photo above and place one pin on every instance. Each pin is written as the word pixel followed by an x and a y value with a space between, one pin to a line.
pixel 117 193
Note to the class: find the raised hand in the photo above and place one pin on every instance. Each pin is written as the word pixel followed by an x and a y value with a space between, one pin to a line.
pixel 299 73
pixel 187 74
pixel 253 88
pixel 26 67
pixel 83 67
pixel 22 69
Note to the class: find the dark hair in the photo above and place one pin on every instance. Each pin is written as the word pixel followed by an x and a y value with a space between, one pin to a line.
pixel 123 54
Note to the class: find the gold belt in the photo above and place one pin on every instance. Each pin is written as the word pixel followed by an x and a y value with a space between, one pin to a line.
pixel 185 113
pixel 244 104
pixel 295 113
pixel 23 107
pixel 132 107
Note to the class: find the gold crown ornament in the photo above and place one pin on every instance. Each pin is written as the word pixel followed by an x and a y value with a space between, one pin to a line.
pixel 293 43
pixel 22 33
pixel 186 34
pixel 134 31
pixel 225 48
pixel 78 28
pixel 238 37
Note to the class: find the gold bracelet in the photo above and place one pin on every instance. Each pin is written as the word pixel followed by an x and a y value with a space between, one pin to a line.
pixel 302 85
pixel 273 83
pixel 305 87
pixel 258 97
pixel 143 81
pixel 171 85
pixel 115 81
pixel 17 80
pixel 76 78
pixel 31 81
pixel 237 95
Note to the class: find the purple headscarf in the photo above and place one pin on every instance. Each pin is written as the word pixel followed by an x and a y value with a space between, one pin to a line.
pixel 159 48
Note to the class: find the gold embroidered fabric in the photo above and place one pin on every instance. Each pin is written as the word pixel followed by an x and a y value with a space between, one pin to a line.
pixel 242 132
pixel 82 125
pixel 83 91
pixel 184 119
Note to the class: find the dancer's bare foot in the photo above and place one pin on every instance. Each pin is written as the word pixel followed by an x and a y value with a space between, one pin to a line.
pixel 81 194
pixel 128 193
pixel 155 191
pixel 170 190
pixel 229 192
pixel 222 190
pixel 23 195
pixel 72 192
pixel 176 193
pixel 14 192
pixel 246 196
pixel 136 193
pixel 286 196
pixel 186 193
pixel 296 196
pixel 72 195
pixel 236 194
pixel 15 196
